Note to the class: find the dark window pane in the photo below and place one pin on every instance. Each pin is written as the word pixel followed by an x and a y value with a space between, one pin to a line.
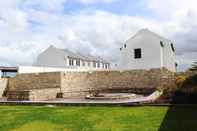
pixel 137 53
pixel 94 64
pixel 78 62
pixel 70 62
pixel 84 64
pixel 89 64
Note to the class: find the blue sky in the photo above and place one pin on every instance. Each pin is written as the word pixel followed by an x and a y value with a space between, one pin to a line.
pixel 98 27
pixel 128 7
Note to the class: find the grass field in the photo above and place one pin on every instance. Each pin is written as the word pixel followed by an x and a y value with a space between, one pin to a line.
pixel 39 118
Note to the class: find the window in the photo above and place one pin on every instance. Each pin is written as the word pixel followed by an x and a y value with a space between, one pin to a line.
pixel 71 62
pixel 78 62
pixel 161 43
pixel 103 66
pixel 83 63
pixel 94 64
pixel 98 65
pixel 172 47
pixel 89 64
pixel 137 53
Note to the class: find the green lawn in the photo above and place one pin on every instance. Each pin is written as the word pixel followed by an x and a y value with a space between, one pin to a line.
pixel 39 118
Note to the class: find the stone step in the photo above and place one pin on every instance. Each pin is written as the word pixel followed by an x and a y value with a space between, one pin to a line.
pixel 18 95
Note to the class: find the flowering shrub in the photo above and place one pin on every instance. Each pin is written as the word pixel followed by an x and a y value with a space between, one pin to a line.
pixel 180 81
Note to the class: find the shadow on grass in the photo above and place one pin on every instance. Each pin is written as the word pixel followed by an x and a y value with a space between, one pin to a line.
pixel 181 117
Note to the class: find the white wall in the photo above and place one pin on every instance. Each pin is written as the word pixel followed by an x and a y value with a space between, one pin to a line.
pixel 34 69
pixel 150 48
pixel 153 56
pixel 51 58
pixel 169 58
pixel 56 58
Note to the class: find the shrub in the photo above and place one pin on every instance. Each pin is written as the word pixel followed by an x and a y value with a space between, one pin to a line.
pixel 190 81
pixel 180 80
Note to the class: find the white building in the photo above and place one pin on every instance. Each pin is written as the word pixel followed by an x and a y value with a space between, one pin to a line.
pixel 147 50
pixel 63 58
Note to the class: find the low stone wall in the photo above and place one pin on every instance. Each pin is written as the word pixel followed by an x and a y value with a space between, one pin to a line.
pixel 45 86
pixel 34 87
pixel 44 94
pixel 35 81
pixel 3 86
pixel 33 95
pixel 18 95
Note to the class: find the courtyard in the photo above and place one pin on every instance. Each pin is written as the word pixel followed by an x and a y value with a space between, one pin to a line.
pixel 98 118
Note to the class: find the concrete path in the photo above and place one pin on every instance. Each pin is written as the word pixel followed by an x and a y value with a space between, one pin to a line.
pixel 139 100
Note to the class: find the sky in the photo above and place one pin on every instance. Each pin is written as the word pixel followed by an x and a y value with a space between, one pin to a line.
pixel 97 27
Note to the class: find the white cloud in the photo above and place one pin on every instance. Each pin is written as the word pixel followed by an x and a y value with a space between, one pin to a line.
pixel 172 8
pixel 90 31
pixel 97 33
pixel 101 32
pixel 179 19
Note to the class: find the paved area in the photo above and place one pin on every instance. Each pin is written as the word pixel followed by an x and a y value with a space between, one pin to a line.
pixel 139 99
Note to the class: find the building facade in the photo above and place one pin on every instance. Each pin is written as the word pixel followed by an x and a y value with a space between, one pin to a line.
pixel 147 50
pixel 63 58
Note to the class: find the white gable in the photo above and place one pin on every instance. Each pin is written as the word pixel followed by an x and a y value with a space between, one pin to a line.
pixel 154 52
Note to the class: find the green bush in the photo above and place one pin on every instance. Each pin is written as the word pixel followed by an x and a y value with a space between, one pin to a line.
pixel 180 80
pixel 190 81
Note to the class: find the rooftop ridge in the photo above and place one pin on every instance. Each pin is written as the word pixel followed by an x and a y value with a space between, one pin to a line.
pixel 147 30
pixel 81 55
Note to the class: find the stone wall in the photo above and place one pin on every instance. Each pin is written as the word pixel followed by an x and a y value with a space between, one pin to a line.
pixel 3 86
pixel 82 83
pixel 43 94
pixel 45 86
pixel 33 95
pixel 35 81
pixel 34 87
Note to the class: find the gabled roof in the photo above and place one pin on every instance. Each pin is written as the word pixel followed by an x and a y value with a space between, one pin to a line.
pixel 157 35
pixel 150 32
pixel 80 55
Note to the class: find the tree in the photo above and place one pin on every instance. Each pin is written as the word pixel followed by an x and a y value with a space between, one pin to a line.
pixel 194 67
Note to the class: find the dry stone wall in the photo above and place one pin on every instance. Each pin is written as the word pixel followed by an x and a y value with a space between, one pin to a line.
pixel 82 83
pixel 43 94
pixel 33 95
pixel 34 87
pixel 45 86
pixel 35 81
